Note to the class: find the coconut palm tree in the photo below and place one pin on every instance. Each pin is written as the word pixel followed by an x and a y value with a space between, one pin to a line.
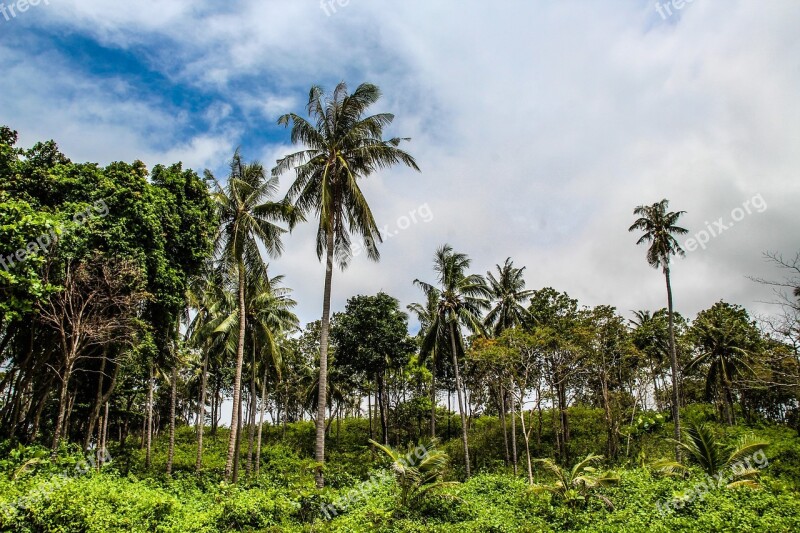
pixel 341 146
pixel 727 341
pixel 433 340
pixel 247 218
pixel 462 300
pixel 507 293
pixel 660 227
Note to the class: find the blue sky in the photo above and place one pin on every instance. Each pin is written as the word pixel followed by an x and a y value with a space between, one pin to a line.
pixel 538 125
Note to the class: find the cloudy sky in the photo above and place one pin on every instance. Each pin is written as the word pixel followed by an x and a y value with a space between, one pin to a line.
pixel 538 126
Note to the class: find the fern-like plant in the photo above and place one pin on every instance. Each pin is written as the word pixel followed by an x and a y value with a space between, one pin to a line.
pixel 417 469
pixel 715 459
pixel 575 486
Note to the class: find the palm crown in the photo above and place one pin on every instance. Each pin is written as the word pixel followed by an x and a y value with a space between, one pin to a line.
pixel 507 291
pixel 659 226
pixel 342 145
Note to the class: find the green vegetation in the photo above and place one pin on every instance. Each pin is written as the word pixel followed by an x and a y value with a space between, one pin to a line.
pixel 136 307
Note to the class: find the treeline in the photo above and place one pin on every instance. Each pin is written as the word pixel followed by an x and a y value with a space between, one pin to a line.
pixel 134 301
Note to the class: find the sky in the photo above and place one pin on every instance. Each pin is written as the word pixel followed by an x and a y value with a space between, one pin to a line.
pixel 538 125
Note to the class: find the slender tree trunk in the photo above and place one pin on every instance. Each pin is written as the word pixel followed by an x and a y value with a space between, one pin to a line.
pixel 611 435
pixel 261 419
pixel 676 395
pixel 38 413
pixel 562 407
pixel 369 411
pixel 383 408
pixel 319 448
pixel 173 401
pixel 104 446
pixel 433 394
pixel 251 422
pixel 237 454
pixel 201 414
pixel 62 407
pixel 459 389
pixel 237 378
pixel 502 406
pixel 98 400
pixel 514 460
pixel 149 417
pixel 526 435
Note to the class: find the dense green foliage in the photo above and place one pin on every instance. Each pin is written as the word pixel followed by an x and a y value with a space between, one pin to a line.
pixel 367 493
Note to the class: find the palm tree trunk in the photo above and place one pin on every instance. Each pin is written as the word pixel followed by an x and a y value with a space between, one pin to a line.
pixel 322 396
pixel 433 394
pixel 237 455
pixel 251 417
pixel 237 378
pixel 201 415
pixel 729 413
pixel 172 403
pixel 459 388
pixel 676 414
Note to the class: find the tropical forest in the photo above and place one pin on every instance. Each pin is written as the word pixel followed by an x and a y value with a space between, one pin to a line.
pixel 220 309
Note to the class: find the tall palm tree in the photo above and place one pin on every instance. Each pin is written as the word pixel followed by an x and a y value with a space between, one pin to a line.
pixel 507 293
pixel 659 227
pixel 462 299
pixel 433 338
pixel 341 146
pixel 247 218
